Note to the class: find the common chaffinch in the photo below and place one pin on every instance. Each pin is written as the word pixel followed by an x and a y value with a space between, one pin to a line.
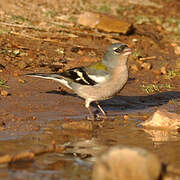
pixel 99 81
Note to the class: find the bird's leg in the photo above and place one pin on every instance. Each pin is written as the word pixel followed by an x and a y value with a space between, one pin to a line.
pixel 102 111
pixel 91 114
pixel 87 104
pixel 100 108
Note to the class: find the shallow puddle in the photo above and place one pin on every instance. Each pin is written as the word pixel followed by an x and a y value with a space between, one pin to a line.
pixel 82 146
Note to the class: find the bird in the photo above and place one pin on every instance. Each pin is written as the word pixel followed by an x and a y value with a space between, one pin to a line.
pixel 98 81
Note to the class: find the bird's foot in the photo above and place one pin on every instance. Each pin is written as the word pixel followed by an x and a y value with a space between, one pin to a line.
pixel 101 119
pixel 90 118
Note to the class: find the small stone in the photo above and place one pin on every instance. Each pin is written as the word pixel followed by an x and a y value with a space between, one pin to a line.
pixel 125 117
pixel 137 80
pixel 163 70
pixel 16 52
pixel 162 119
pixel 139 62
pixel 134 40
pixel 16 74
pixel 4 93
pixel 21 80
pixel 30 118
pixel 134 68
pixel 127 163
pixel 156 72
pixel 89 19
pixel 60 50
pixel 146 66
pixel 104 22
pixel 80 52
pixel 159 28
pixel 22 65
pixel 176 48
pixel 157 78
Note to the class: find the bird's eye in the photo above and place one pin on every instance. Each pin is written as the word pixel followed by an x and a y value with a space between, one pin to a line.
pixel 120 49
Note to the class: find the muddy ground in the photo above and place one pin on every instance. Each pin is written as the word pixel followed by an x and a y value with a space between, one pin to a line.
pixel 34 35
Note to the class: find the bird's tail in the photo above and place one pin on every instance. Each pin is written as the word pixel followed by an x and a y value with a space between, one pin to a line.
pixel 53 76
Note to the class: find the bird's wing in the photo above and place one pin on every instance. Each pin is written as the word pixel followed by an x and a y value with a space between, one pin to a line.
pixel 90 75
pixel 77 75
pixel 98 72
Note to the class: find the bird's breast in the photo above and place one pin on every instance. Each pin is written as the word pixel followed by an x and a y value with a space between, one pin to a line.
pixel 108 88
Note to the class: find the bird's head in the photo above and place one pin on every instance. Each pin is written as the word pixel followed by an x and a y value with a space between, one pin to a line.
pixel 115 53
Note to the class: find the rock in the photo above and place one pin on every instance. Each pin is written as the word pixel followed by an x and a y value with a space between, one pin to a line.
pixel 156 72
pixel 176 48
pixel 4 93
pixel 125 163
pixel 22 65
pixel 126 117
pixel 162 119
pixel 146 66
pixel 134 40
pixel 163 70
pixel 89 19
pixel 134 68
pixel 104 22
pixel 21 80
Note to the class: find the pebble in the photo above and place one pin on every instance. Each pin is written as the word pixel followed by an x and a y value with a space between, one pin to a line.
pixel 176 48
pixel 163 70
pixel 134 68
pixel 21 81
pixel 162 119
pixel 156 72
pixel 104 22
pixel 134 40
pixel 146 66
pixel 22 65
pixel 126 117
pixel 4 93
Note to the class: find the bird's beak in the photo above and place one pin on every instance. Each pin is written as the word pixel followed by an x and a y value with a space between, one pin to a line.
pixel 127 51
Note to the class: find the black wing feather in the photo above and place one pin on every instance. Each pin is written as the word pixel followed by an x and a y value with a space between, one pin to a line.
pixel 78 75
